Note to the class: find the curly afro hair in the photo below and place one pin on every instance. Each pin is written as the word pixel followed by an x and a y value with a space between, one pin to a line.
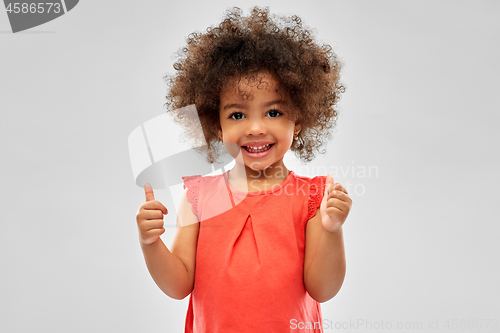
pixel 241 45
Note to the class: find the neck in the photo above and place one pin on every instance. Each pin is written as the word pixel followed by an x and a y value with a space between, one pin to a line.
pixel 242 176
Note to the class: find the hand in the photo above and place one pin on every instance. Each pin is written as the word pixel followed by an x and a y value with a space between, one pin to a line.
pixel 335 205
pixel 150 218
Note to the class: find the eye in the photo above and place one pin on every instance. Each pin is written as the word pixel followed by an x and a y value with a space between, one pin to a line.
pixel 274 113
pixel 236 115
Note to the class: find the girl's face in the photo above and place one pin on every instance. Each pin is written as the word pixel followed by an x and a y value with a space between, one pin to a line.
pixel 257 124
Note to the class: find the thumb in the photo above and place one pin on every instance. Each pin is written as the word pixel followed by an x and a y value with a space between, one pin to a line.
pixel 148 190
pixel 329 183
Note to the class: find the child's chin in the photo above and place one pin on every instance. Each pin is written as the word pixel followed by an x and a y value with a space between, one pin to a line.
pixel 257 166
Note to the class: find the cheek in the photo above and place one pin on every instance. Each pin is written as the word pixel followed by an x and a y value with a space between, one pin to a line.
pixel 288 134
pixel 229 133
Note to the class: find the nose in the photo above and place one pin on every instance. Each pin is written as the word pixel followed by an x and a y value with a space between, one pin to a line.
pixel 255 127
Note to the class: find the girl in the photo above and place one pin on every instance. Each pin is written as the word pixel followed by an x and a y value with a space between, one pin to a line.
pixel 258 247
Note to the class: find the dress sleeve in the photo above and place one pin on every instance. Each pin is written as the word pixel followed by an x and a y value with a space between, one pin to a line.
pixel 193 185
pixel 316 190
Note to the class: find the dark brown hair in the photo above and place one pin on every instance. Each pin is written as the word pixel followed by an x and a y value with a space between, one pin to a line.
pixel 239 45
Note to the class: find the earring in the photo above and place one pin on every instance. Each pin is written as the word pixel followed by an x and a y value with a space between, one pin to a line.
pixel 296 136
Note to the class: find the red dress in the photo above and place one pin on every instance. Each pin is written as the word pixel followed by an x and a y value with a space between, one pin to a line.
pixel 250 256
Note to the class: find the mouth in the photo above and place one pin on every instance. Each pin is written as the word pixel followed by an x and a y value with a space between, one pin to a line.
pixel 258 149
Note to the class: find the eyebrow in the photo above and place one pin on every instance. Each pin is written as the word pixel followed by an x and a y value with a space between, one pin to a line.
pixel 243 106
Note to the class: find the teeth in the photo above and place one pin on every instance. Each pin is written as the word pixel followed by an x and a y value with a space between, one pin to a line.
pixel 258 149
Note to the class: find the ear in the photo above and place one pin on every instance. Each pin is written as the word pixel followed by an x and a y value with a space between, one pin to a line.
pixel 297 128
pixel 219 132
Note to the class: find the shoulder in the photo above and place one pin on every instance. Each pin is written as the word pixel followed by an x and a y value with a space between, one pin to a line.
pixel 305 178
pixel 198 188
pixel 190 181
pixel 313 189
pixel 314 185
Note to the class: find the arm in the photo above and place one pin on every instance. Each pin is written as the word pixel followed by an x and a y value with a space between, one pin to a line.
pixel 324 261
pixel 173 271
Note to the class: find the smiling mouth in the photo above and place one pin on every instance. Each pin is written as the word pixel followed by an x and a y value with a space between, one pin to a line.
pixel 259 149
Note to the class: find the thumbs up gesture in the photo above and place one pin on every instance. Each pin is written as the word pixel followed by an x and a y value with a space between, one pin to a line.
pixel 335 205
pixel 150 217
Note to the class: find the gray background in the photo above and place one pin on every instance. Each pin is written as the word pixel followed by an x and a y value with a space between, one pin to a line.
pixel 421 109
